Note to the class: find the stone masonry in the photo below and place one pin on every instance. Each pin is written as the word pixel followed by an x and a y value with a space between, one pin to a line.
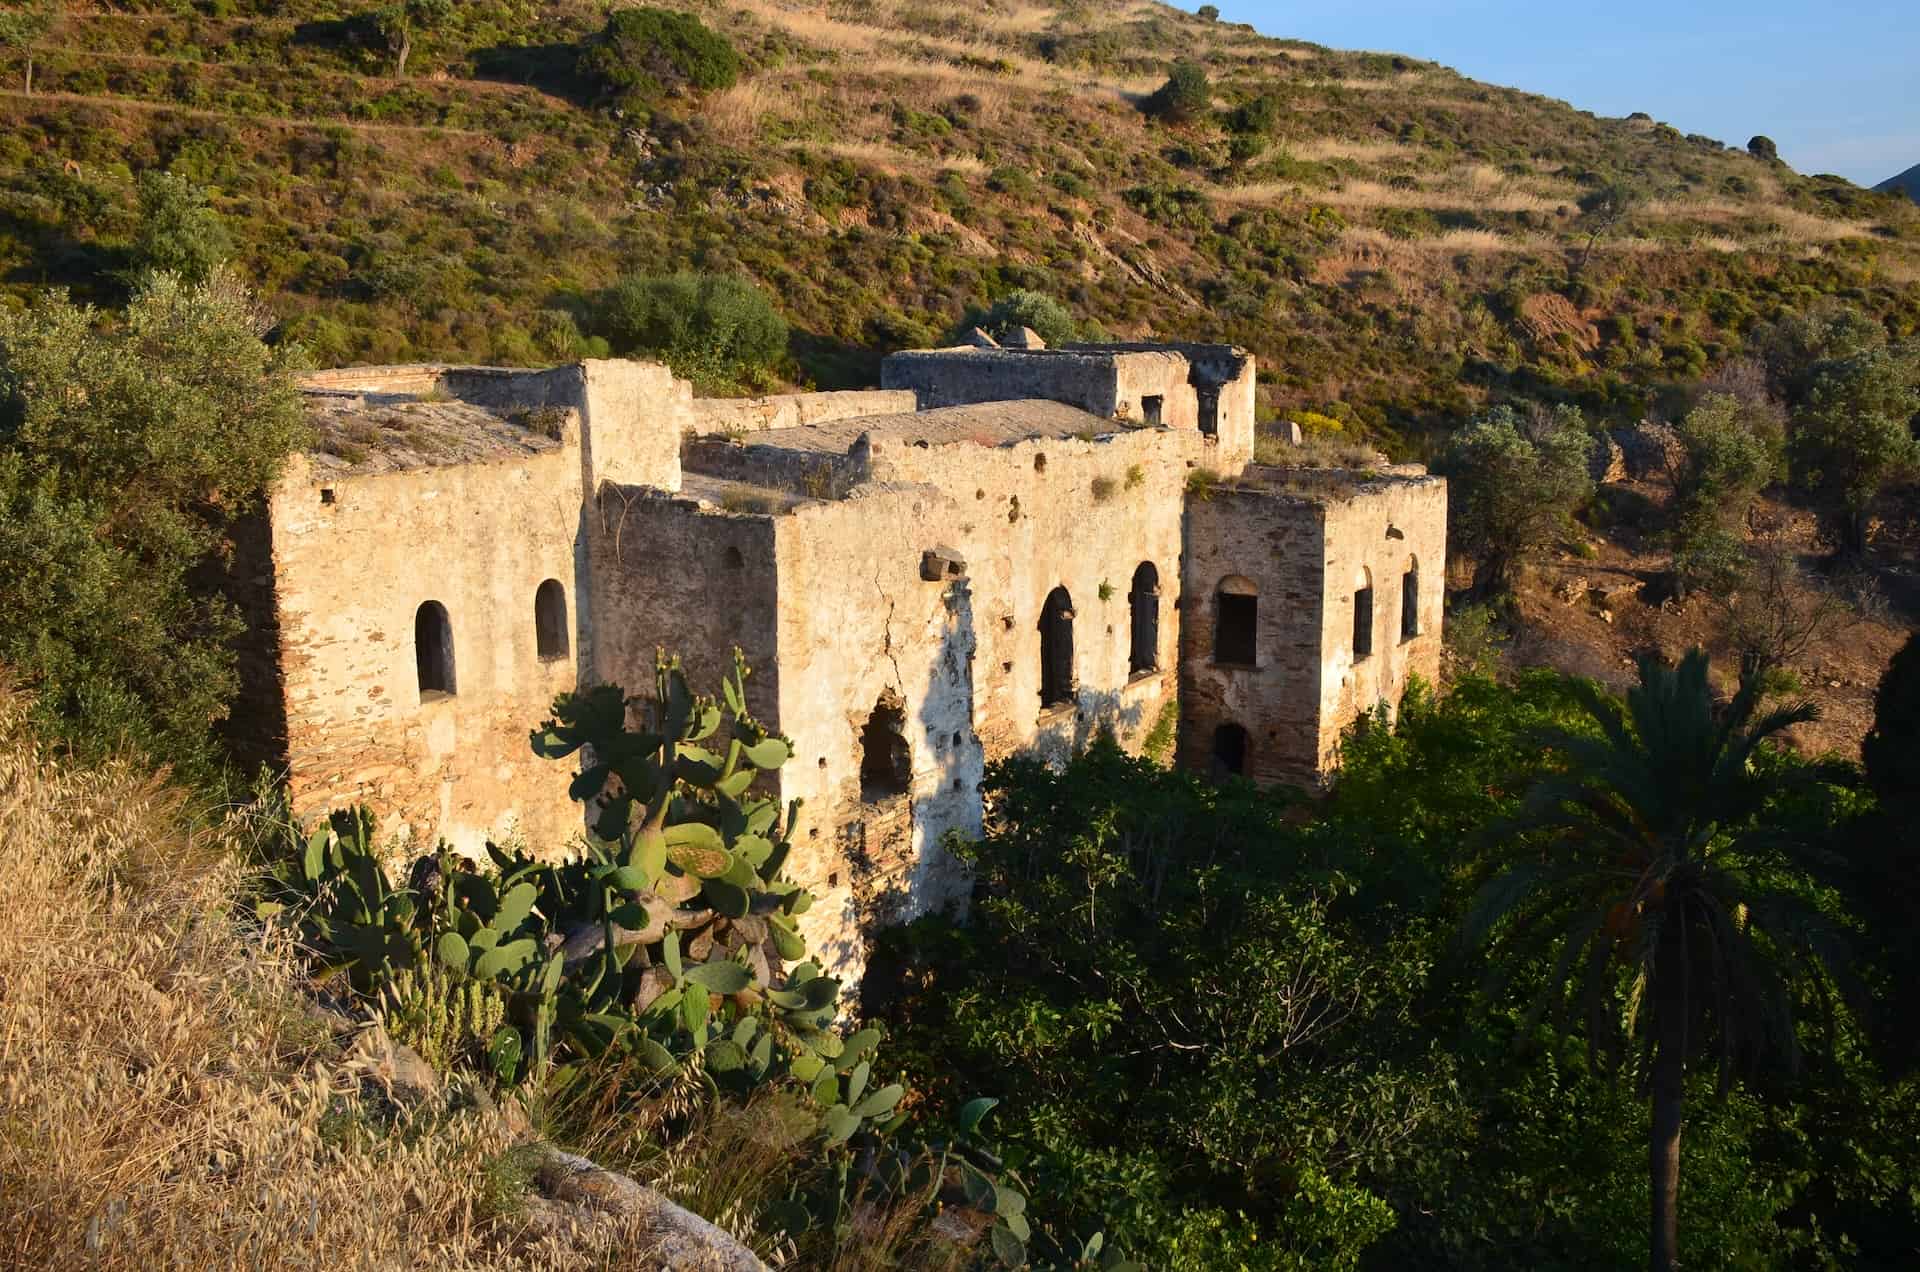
pixel 1002 550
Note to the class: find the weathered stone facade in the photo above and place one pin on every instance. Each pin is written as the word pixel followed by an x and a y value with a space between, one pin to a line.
pixel 996 553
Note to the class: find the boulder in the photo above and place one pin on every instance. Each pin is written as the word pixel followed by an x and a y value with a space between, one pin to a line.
pixel 1650 450
pixel 584 1196
pixel 1607 461
pixel 402 1073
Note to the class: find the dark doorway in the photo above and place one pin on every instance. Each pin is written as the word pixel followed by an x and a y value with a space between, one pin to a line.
pixel 1151 408
pixel 1056 648
pixel 1144 600
pixel 1230 746
pixel 433 650
pixel 550 620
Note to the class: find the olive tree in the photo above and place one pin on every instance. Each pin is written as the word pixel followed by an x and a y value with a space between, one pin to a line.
pixel 1854 436
pixel 128 447
pixel 1514 483
pixel 22 26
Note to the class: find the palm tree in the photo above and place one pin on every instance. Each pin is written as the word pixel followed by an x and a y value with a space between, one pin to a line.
pixel 1659 888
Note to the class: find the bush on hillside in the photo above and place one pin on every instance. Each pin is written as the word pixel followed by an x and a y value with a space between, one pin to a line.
pixel 644 52
pixel 1515 484
pixel 1854 436
pixel 717 330
pixel 1186 95
pixel 1762 147
pixel 178 232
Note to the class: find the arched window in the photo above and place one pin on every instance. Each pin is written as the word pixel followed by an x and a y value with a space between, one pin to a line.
pixel 886 762
pixel 1144 600
pixel 1236 621
pixel 1230 746
pixel 433 649
pixel 1410 601
pixel 550 619
pixel 1056 648
pixel 1363 615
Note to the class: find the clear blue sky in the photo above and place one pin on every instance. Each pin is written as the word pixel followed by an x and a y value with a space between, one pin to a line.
pixel 1836 84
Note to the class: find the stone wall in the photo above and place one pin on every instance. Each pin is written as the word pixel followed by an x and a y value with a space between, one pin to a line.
pixel 960 654
pixel 696 581
pixel 353 561
pixel 1278 543
pixel 1305 543
pixel 1376 536
pixel 792 410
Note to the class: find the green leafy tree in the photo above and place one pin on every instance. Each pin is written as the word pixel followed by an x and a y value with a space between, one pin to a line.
pixel 1606 211
pixel 1761 147
pixel 24 25
pixel 1654 881
pixel 1733 449
pixel 718 330
pixel 1144 941
pixel 1187 94
pixel 1052 321
pixel 127 448
pixel 1855 435
pixel 644 52
pixel 1793 348
pixel 1514 484
pixel 178 233
pixel 398 23
pixel 1208 13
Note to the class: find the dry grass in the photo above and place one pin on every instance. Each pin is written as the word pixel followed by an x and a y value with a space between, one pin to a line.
pixel 1324 149
pixel 157 1106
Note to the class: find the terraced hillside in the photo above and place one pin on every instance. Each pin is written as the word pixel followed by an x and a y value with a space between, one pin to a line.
pixel 1396 242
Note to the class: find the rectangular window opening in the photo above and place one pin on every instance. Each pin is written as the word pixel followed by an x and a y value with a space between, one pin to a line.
pixel 1363 623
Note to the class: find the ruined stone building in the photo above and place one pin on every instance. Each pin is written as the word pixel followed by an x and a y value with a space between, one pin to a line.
pixel 1001 550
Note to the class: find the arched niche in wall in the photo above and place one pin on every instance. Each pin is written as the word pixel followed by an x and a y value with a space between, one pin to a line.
pixel 433 650
pixel 550 620
pixel 1143 604
pixel 1056 648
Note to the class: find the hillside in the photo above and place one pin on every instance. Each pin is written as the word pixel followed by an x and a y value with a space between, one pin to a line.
pixel 1396 242
pixel 1907 183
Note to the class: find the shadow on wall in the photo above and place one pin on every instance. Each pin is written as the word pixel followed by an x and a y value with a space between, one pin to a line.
pixel 897 865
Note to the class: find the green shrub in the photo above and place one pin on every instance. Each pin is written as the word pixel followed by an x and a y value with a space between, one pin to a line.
pixel 127 449
pixel 1186 95
pixel 1052 321
pixel 178 232
pixel 717 330
pixel 644 52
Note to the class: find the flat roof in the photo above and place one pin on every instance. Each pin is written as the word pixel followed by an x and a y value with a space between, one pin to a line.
pixel 981 424
pixel 356 432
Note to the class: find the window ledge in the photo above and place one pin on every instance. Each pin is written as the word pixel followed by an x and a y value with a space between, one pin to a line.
pixel 1223 665
pixel 1145 673
pixel 428 696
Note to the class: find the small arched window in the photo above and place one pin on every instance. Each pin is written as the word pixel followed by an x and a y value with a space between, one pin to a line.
pixel 1410 601
pixel 433 650
pixel 550 619
pixel 1056 648
pixel 886 762
pixel 1363 615
pixel 1230 747
pixel 1144 601
pixel 1236 621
